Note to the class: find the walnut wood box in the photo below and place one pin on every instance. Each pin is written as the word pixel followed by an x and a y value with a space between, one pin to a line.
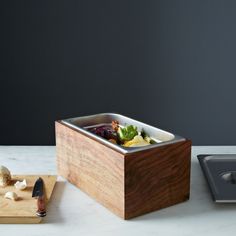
pixel 128 181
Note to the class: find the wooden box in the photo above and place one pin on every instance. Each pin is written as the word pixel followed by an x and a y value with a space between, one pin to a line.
pixel 129 183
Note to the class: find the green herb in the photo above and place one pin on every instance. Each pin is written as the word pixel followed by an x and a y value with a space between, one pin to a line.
pixel 127 133
pixel 143 134
pixel 147 138
pixel 152 141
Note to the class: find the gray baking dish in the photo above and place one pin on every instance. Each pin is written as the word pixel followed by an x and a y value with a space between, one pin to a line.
pixel 160 136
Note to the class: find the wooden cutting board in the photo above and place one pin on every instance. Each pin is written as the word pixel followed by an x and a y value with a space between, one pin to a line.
pixel 23 211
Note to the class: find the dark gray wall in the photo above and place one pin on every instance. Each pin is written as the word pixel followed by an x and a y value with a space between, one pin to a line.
pixel 168 63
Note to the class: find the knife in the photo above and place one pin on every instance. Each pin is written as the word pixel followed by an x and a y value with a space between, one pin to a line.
pixel 38 192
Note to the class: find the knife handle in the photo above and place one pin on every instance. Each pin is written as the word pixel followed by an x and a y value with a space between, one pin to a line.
pixel 41 212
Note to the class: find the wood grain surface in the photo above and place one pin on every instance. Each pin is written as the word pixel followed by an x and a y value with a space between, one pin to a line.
pixel 91 166
pixel 157 178
pixel 24 209
pixel 129 185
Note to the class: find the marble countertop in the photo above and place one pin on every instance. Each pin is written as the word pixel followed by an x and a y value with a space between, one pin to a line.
pixel 72 212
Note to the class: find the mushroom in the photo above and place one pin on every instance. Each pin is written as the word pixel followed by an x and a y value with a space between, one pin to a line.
pixel 21 185
pixel 11 195
pixel 5 176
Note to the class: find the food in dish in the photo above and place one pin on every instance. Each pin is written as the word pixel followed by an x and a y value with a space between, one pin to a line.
pixel 127 136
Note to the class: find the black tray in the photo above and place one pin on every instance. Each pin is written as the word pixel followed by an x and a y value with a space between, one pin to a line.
pixel 220 173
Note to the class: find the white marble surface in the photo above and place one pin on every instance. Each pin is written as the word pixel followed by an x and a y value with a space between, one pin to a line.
pixel 71 212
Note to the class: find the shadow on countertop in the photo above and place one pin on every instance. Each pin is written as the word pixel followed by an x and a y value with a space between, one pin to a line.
pixel 54 214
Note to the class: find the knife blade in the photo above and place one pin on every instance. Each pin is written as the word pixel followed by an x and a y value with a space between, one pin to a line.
pixel 38 192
